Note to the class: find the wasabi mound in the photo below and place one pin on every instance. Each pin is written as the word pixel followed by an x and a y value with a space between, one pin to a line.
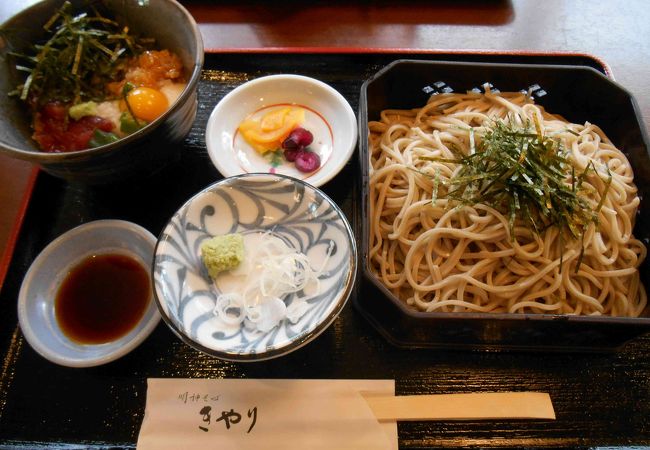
pixel 222 253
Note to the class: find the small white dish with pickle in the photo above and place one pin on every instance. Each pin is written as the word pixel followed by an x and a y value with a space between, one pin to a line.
pixel 282 124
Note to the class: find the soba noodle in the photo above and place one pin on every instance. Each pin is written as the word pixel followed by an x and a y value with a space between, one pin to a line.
pixel 438 256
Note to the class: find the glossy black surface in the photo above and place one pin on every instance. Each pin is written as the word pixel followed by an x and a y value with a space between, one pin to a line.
pixel 600 399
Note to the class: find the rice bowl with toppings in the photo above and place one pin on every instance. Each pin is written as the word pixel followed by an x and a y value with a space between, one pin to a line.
pixel 141 152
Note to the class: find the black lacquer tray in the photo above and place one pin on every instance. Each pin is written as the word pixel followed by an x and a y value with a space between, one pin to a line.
pixel 600 399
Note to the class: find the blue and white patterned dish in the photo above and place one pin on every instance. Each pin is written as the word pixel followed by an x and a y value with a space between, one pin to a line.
pixel 289 209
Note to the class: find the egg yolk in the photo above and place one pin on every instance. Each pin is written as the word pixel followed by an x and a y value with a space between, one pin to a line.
pixel 147 103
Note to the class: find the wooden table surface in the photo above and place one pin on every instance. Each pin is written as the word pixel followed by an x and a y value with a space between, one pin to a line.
pixel 617 32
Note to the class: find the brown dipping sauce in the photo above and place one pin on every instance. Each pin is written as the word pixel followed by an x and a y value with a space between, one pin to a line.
pixel 102 298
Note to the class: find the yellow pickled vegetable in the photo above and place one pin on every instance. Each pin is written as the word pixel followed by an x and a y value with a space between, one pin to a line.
pixel 266 133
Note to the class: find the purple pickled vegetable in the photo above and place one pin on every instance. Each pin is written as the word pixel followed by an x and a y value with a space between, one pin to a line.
pixel 299 138
pixel 290 154
pixel 307 161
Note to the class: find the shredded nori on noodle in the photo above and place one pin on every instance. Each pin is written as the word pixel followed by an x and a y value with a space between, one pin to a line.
pixel 526 176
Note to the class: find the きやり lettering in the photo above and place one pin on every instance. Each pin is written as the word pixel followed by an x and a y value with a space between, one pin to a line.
pixel 229 418
pixel 210 415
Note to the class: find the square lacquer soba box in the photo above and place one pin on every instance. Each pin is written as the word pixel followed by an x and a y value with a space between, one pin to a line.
pixel 504 207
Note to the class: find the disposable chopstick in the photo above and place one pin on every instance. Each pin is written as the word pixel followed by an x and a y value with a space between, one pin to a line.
pixel 472 406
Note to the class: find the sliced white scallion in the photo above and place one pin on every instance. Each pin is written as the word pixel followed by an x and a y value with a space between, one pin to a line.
pixel 274 270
